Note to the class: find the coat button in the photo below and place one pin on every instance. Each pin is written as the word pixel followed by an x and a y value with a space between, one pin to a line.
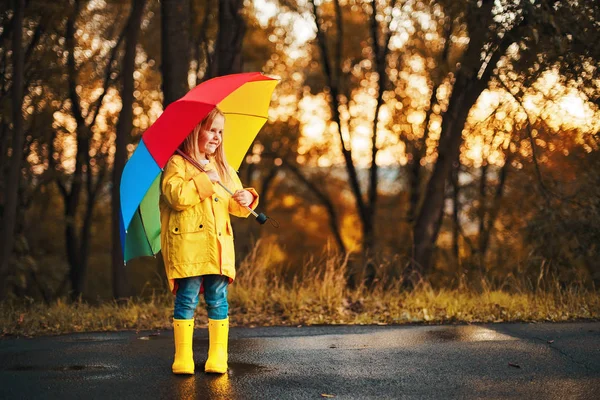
pixel 176 229
pixel 200 226
pixel 216 199
pixel 219 233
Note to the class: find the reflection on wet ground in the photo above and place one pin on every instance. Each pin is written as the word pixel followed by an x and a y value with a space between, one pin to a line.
pixel 421 334
pixel 219 387
pixel 468 333
pixel 201 385
pixel 238 369
pixel 152 336
pixel 384 339
pixel 459 361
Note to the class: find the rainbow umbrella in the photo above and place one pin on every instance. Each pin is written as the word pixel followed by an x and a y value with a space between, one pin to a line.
pixel 243 98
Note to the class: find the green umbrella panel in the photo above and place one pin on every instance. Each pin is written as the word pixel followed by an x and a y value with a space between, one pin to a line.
pixel 143 235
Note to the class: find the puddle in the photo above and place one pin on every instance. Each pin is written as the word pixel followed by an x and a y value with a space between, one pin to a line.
pixel 466 334
pixel 152 336
pixel 395 337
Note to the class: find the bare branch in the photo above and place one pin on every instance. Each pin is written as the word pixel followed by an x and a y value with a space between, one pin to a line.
pixel 334 104
pixel 95 108
pixel 531 139
pixel 339 44
pixel 322 41
pixel 324 199
pixel 374 29
pixel 72 82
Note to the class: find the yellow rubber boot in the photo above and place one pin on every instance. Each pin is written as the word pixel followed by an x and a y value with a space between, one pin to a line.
pixel 218 336
pixel 183 330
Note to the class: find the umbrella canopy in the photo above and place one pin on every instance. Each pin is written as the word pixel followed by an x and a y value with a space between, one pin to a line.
pixel 243 98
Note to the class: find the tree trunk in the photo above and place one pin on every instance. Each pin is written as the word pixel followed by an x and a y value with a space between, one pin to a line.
pixel 266 185
pixel 10 210
pixel 471 80
pixel 73 242
pixel 333 81
pixel 228 50
pixel 200 52
pixel 124 127
pixel 465 93
pixel 379 58
pixel 4 139
pixel 420 146
pixel 71 197
pixel 420 149
pixel 4 144
pixel 175 54
pixel 72 247
pixel 335 78
pixel 77 240
pixel 482 212
pixel 175 49
pixel 495 209
pixel 86 228
pixel 455 214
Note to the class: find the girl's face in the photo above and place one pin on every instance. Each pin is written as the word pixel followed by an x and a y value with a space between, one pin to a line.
pixel 210 139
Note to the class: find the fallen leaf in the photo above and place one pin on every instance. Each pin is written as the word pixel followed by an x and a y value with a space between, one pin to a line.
pixel 329 396
pixel 550 341
pixel 514 365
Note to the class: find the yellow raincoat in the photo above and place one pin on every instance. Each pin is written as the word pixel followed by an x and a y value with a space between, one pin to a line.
pixel 196 235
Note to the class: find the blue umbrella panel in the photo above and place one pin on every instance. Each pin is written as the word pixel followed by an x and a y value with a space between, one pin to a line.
pixel 140 195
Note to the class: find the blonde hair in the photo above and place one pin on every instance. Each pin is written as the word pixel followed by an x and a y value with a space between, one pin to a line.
pixel 190 145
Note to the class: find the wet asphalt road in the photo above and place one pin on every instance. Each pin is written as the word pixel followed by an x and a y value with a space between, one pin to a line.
pixel 532 361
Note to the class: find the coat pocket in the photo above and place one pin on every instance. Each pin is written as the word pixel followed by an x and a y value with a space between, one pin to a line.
pixel 182 224
pixel 189 239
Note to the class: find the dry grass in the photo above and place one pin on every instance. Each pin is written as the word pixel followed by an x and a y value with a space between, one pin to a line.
pixel 318 295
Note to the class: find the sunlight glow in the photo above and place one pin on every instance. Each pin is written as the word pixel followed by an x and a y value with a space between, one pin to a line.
pixel 302 30
pixel 574 105
pixel 402 117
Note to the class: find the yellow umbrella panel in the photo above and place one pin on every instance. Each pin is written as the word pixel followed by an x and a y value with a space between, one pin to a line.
pixel 246 111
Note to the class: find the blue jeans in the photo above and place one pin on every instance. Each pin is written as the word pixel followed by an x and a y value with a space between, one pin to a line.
pixel 215 295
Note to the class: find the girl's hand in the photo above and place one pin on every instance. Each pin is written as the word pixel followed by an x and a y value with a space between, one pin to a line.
pixel 243 197
pixel 213 176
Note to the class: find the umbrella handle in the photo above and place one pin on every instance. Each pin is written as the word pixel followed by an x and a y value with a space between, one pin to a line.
pixel 260 218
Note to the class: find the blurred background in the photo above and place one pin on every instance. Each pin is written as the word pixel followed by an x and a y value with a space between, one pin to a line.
pixel 453 141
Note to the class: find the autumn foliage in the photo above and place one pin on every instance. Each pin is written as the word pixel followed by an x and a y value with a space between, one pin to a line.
pixel 444 149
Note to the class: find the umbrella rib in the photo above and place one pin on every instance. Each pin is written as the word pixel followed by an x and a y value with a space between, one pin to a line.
pixel 246 115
